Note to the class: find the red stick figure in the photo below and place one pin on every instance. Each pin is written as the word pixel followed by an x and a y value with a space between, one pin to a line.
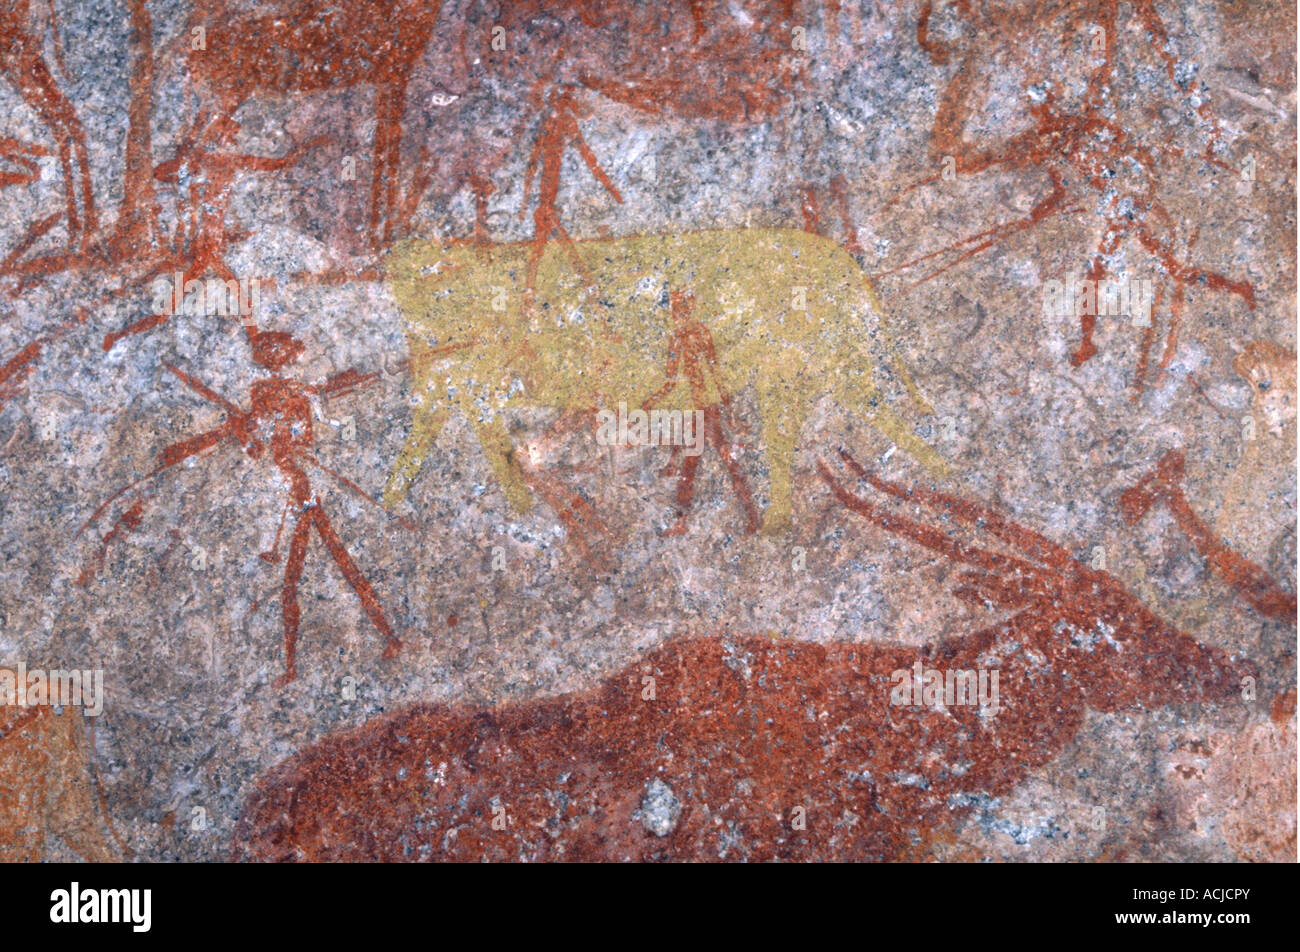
pixel 280 415
pixel 691 353
pixel 1086 154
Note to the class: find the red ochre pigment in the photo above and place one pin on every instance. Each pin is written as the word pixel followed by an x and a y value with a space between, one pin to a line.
pixel 747 747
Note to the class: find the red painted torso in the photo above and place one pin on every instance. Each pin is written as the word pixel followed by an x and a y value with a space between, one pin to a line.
pixel 282 414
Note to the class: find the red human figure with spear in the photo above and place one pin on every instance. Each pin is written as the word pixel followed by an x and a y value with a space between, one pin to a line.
pixel 280 416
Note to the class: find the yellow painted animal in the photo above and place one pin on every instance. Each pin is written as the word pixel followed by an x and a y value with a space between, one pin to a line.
pixel 790 313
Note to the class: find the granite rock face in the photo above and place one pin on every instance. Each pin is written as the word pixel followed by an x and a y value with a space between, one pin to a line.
pixel 761 430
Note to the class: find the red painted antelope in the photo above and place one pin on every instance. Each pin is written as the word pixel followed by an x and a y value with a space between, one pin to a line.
pixel 732 747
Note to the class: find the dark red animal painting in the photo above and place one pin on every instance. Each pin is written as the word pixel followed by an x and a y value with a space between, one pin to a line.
pixel 722 62
pixel 308 46
pixel 739 747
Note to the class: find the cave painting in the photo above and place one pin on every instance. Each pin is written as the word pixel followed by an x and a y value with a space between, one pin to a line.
pixel 733 62
pixel 1163 486
pixel 790 314
pixel 692 355
pixel 1257 513
pixel 1091 160
pixel 302 48
pixel 723 745
pixel 23 64
pixel 729 747
pixel 279 417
